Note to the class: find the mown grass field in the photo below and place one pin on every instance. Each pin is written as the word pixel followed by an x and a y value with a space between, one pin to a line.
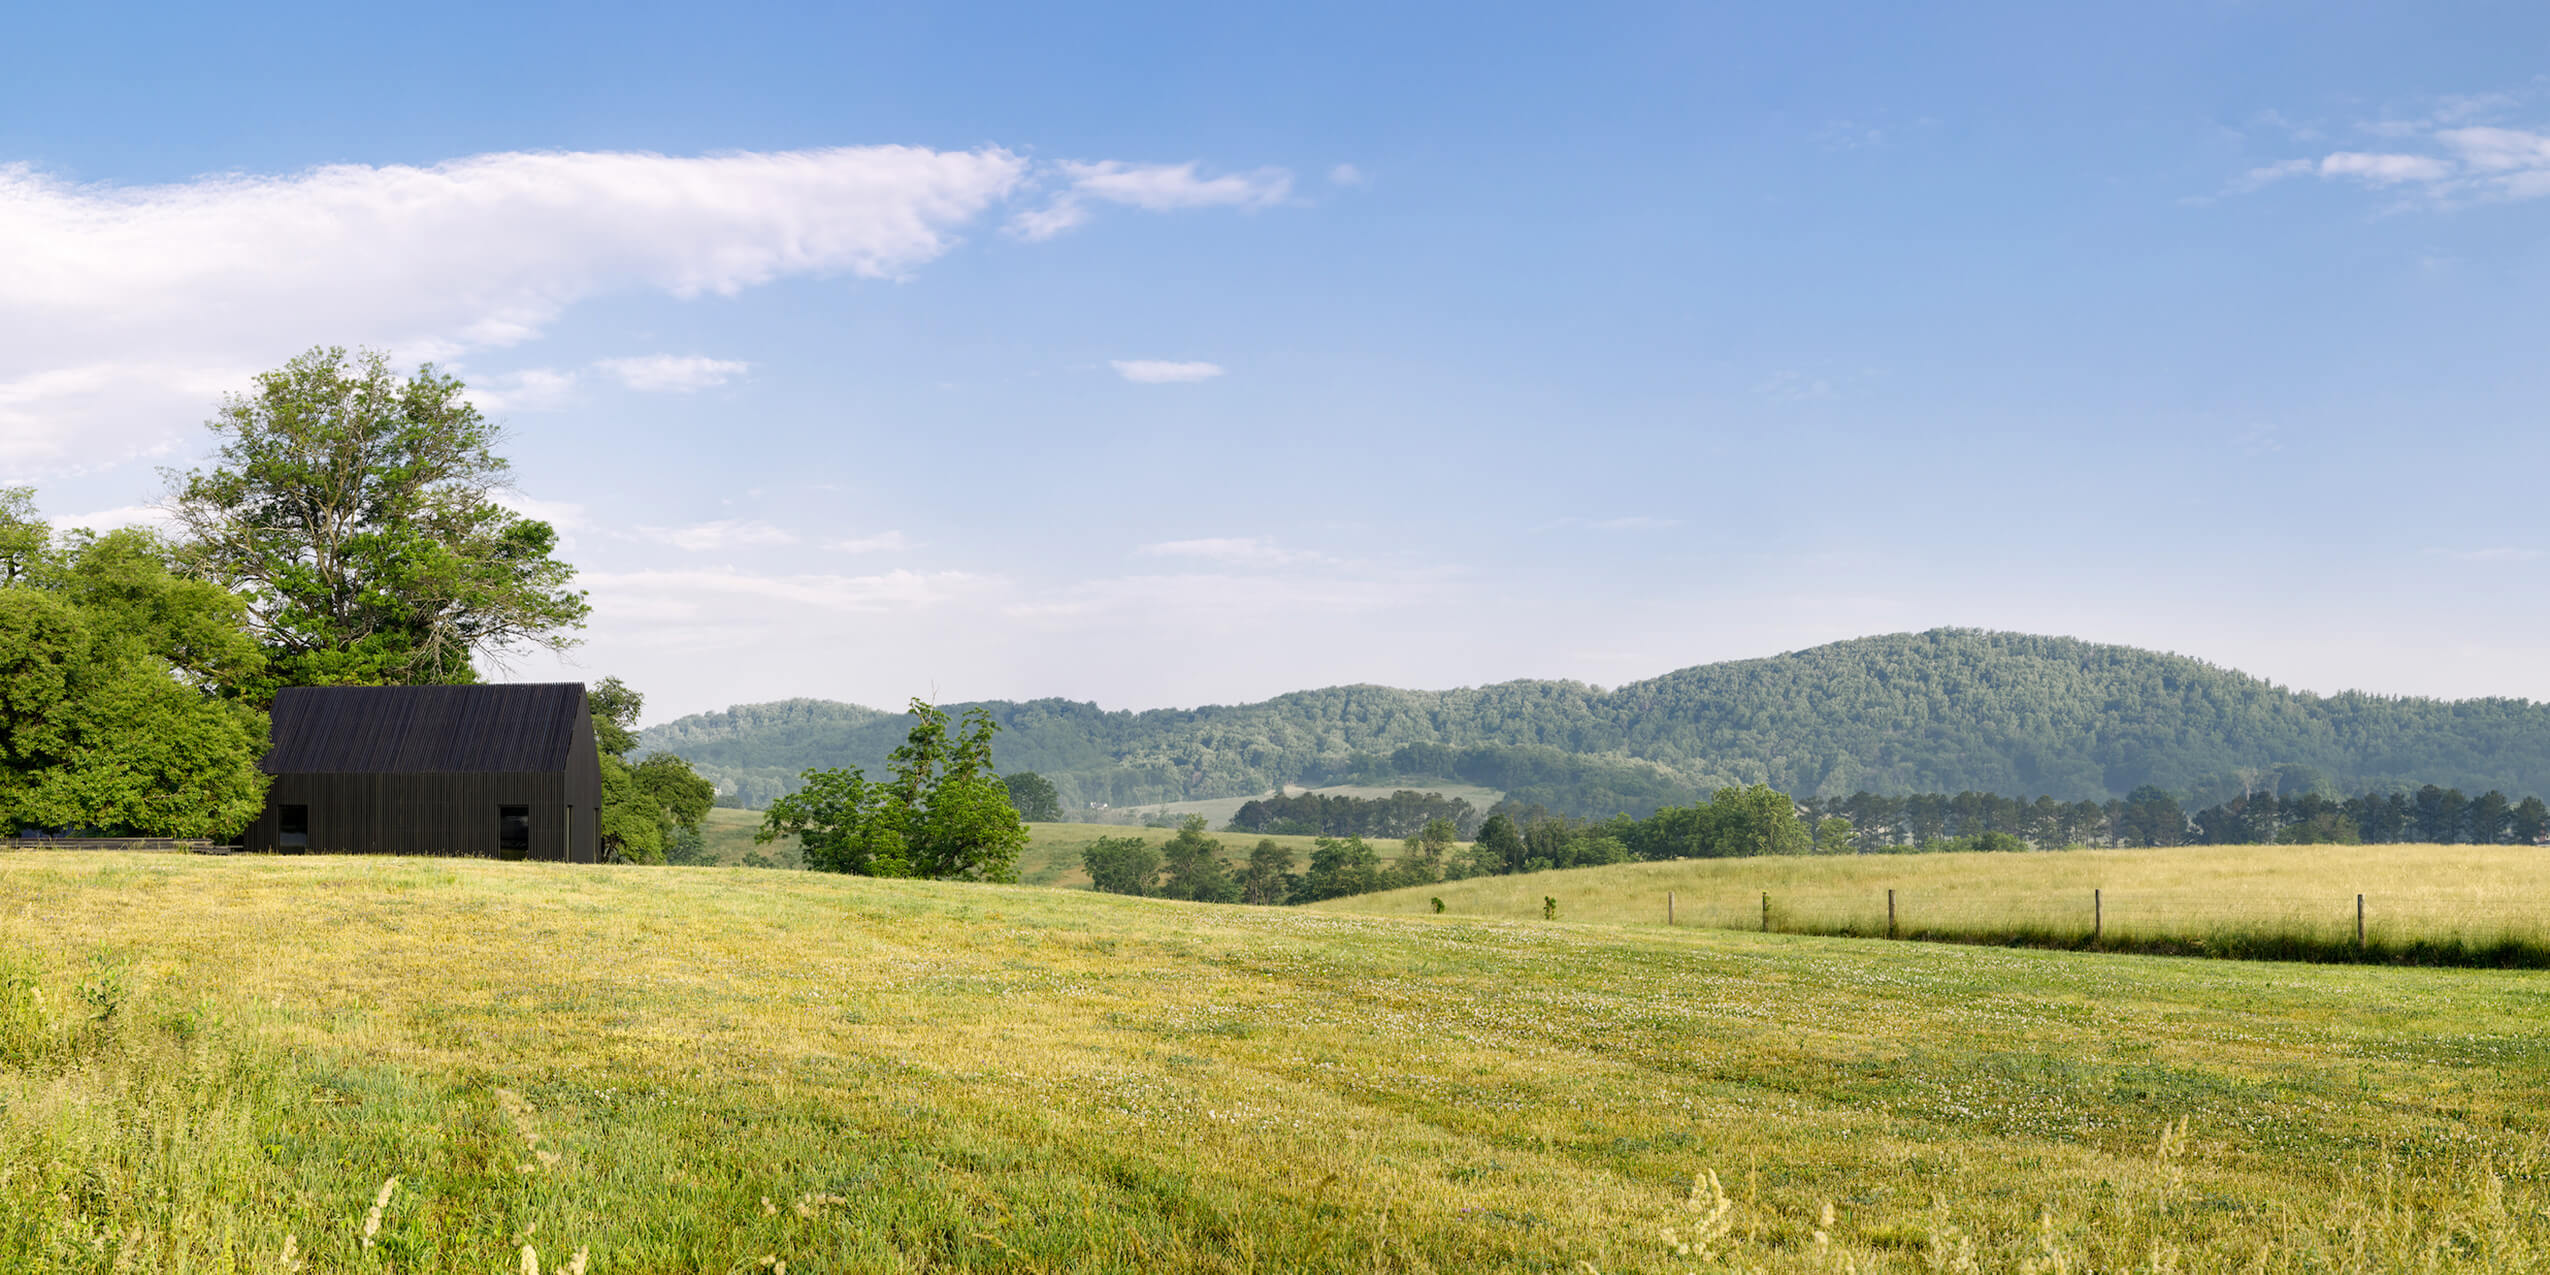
pixel 206 1063
pixel 2456 904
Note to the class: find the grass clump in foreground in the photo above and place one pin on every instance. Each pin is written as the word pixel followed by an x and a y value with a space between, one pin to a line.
pixel 2464 905
pixel 204 1063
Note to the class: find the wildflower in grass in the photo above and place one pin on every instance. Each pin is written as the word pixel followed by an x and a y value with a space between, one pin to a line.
pixel 372 1221
pixel 530 1260
pixel 812 1205
pixel 518 1113
pixel 290 1259
pixel 575 1265
pixel 2169 1156
pixel 1712 1218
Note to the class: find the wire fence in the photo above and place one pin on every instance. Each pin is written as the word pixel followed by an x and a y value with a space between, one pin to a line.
pixel 2441 926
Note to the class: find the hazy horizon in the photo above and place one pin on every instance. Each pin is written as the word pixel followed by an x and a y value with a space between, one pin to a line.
pixel 654 718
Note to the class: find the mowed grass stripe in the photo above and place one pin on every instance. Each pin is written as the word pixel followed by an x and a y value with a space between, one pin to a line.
pixel 916 1075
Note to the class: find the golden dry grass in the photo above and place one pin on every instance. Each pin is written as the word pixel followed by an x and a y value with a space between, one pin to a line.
pixel 203 1061
pixel 2432 895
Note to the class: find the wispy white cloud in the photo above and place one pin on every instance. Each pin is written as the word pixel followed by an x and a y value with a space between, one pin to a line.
pixel 1626 522
pixel 689 595
pixel 1346 175
pixel 1165 371
pixel 672 373
pixel 564 516
pixel 125 310
pixel 1150 187
pixel 1243 551
pixel 731 533
pixel 531 389
pixel 150 516
pixel 2384 170
pixel 2442 155
pixel 882 542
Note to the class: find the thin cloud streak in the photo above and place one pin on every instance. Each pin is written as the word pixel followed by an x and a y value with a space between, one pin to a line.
pixel 671 373
pixel 729 533
pixel 1164 371
pixel 1149 187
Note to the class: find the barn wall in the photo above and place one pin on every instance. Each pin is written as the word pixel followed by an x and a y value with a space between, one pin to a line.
pixel 584 791
pixel 452 814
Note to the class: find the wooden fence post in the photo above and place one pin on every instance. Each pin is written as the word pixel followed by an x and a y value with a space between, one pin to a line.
pixel 1890 912
pixel 2359 925
pixel 1766 911
pixel 2098 914
pixel 1668 907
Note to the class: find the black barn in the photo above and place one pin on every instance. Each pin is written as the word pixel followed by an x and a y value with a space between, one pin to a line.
pixel 500 772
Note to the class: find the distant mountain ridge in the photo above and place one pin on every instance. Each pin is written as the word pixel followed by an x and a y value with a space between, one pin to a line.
pixel 1947 710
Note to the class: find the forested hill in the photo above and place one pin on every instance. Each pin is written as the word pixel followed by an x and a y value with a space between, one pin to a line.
pixel 1944 711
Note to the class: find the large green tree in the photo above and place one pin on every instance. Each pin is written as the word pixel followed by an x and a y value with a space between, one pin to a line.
pixel 354 509
pixel 941 812
pixel 110 716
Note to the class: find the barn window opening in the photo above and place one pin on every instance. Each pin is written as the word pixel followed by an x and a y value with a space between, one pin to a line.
pixel 292 827
pixel 513 831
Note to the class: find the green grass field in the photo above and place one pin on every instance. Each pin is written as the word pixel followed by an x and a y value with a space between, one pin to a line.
pixel 2438 904
pixel 207 1064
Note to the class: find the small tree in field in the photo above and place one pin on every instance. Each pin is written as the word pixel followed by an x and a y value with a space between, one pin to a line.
pixel 941 813
pixel 1122 865
pixel 1268 878
pixel 1194 866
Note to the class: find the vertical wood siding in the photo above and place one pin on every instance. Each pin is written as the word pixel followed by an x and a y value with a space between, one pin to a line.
pixel 426 770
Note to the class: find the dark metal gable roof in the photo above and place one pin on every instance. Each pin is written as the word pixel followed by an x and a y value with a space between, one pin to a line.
pixel 425 729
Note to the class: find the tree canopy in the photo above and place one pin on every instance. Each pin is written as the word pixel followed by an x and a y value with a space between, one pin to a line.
pixel 111 670
pixel 647 805
pixel 354 510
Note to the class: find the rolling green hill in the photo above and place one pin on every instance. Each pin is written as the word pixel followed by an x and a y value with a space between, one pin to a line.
pixel 1943 711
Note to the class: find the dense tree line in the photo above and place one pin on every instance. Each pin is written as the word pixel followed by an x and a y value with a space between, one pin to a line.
pixel 1944 711
pixel 2151 816
pixel 1751 820
pixel 1757 819
pixel 1310 814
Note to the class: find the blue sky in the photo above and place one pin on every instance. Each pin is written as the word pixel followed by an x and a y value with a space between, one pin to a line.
pixel 1177 355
